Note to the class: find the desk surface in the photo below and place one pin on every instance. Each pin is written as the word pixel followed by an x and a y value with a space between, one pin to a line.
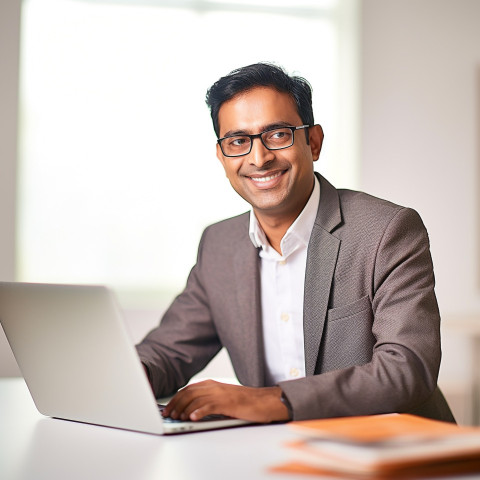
pixel 36 447
pixel 40 448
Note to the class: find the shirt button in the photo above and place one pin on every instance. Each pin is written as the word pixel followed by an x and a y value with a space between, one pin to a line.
pixel 294 372
pixel 282 262
pixel 285 317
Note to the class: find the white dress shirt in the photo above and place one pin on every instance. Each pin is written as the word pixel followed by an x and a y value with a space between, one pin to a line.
pixel 282 279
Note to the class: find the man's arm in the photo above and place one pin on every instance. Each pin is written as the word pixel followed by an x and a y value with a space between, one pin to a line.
pixel 184 342
pixel 402 373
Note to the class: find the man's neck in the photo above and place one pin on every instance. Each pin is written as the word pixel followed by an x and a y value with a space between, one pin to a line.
pixel 275 224
pixel 275 228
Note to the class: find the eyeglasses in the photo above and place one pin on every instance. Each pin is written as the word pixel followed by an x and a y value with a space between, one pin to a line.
pixel 274 139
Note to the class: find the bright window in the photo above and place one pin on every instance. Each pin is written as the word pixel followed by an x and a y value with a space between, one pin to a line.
pixel 118 174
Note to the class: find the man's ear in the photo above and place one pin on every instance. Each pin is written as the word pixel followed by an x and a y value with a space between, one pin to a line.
pixel 316 140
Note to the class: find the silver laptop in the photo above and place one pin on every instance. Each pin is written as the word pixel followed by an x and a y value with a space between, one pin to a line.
pixel 78 361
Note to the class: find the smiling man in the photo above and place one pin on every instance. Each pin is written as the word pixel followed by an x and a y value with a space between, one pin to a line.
pixel 273 175
pixel 323 298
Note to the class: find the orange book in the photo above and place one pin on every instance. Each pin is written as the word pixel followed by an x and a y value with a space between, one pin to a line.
pixel 383 446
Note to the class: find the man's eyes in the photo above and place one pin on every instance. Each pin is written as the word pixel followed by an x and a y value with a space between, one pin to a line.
pixel 277 134
pixel 238 141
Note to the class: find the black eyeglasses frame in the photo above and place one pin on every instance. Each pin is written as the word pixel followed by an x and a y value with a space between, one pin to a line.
pixel 259 135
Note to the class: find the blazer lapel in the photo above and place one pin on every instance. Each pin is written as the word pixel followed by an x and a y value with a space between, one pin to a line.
pixel 247 282
pixel 321 260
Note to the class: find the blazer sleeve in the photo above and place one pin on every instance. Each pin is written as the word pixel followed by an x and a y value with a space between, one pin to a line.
pixel 186 339
pixel 401 370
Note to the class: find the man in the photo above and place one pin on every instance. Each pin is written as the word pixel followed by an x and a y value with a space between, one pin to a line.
pixel 323 298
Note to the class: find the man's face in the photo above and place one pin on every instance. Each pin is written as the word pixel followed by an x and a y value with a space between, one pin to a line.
pixel 276 183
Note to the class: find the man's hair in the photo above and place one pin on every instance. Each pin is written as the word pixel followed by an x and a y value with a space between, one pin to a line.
pixel 260 75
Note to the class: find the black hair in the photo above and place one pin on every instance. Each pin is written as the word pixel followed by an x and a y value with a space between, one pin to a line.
pixel 260 75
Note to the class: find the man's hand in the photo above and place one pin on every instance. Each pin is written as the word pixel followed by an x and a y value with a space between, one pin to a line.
pixel 261 405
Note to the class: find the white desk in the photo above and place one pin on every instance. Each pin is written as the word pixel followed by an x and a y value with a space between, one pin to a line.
pixel 33 447
pixel 40 448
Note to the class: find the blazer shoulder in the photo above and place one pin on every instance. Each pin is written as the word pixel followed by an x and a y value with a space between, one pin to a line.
pixel 230 225
pixel 344 209
pixel 228 232
pixel 362 207
pixel 354 199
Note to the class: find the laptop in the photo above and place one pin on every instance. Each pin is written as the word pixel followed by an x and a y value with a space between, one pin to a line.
pixel 78 361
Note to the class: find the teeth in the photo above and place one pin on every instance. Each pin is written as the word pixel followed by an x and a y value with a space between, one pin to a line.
pixel 266 179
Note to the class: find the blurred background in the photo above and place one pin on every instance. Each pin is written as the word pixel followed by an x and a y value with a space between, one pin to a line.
pixel 108 172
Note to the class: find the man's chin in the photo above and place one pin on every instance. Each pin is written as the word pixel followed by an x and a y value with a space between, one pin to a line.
pixel 268 207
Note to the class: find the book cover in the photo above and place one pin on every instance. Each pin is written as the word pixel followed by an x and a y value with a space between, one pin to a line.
pixel 384 446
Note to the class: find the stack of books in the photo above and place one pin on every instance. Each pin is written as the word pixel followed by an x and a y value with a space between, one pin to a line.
pixel 382 447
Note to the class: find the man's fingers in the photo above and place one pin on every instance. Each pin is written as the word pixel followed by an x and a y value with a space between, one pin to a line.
pixel 212 398
pixel 181 401
pixel 200 400
pixel 200 407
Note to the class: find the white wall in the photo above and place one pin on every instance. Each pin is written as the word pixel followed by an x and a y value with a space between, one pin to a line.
pixel 421 128
pixel 420 118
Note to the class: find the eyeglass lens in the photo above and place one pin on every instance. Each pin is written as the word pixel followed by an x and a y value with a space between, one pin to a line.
pixel 272 139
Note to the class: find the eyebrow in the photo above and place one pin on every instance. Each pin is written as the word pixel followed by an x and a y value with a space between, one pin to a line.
pixel 265 128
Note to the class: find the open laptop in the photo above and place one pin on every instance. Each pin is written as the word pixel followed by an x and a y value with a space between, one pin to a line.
pixel 73 349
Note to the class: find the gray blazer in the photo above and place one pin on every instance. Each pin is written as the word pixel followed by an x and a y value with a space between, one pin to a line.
pixel 371 320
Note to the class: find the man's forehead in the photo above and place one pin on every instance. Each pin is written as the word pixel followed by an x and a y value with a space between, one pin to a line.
pixel 257 108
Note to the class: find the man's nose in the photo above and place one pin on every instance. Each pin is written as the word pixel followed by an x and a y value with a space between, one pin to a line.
pixel 260 154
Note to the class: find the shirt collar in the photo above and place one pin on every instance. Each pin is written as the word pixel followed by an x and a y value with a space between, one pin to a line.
pixel 299 231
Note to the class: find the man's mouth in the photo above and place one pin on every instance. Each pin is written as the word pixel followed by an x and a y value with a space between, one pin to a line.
pixel 266 178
